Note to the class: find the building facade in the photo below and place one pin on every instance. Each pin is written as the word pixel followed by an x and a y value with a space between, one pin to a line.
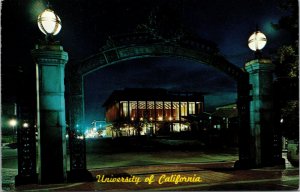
pixel 151 111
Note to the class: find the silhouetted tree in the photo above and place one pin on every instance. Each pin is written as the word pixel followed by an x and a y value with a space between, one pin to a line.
pixel 287 66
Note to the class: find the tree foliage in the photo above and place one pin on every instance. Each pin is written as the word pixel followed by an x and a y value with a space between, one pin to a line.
pixel 287 66
pixel 291 20
pixel 164 22
pixel 287 59
pixel 287 62
pixel 290 116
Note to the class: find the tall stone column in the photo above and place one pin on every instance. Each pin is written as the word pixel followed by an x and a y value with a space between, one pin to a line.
pixel 261 112
pixel 52 158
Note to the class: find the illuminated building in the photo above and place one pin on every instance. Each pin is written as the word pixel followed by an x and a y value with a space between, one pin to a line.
pixel 151 111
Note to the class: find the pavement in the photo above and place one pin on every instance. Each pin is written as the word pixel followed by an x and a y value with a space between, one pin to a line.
pixel 163 171
pixel 211 176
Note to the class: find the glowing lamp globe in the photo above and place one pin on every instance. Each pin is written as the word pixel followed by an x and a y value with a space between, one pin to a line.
pixel 257 41
pixel 12 122
pixel 49 23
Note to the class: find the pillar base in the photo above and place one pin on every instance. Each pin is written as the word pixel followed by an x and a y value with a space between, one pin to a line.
pixel 280 162
pixel 24 180
pixel 80 175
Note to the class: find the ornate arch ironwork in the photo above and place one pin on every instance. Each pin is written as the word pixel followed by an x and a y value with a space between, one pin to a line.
pixel 142 45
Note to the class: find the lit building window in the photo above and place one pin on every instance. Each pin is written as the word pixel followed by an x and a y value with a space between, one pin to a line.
pixel 150 110
pixel 167 109
pixel 133 109
pixel 176 127
pixel 192 108
pixel 124 108
pixel 183 108
pixel 159 110
pixel 142 109
pixel 199 107
pixel 176 110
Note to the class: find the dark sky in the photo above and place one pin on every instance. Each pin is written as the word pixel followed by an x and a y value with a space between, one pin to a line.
pixel 86 24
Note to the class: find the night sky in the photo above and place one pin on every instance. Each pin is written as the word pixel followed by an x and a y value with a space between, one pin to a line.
pixel 87 24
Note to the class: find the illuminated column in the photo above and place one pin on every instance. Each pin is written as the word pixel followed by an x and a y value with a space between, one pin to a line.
pixel 262 136
pixel 261 111
pixel 51 123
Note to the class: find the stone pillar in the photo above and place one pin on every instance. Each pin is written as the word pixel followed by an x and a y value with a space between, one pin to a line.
pixel 52 158
pixel 261 112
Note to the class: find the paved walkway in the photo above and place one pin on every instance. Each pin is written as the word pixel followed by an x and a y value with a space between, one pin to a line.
pixel 205 176
pixel 8 178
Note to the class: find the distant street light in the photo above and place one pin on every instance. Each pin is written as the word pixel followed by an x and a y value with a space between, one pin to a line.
pixel 25 125
pixel 281 120
pixel 13 123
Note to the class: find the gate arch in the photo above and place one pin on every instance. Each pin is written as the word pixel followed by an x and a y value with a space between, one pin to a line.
pixel 143 45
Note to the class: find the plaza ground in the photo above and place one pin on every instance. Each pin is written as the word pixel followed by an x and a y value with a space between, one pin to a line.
pixel 214 166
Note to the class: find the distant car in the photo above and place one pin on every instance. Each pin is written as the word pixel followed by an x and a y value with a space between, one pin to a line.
pixel 12 145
